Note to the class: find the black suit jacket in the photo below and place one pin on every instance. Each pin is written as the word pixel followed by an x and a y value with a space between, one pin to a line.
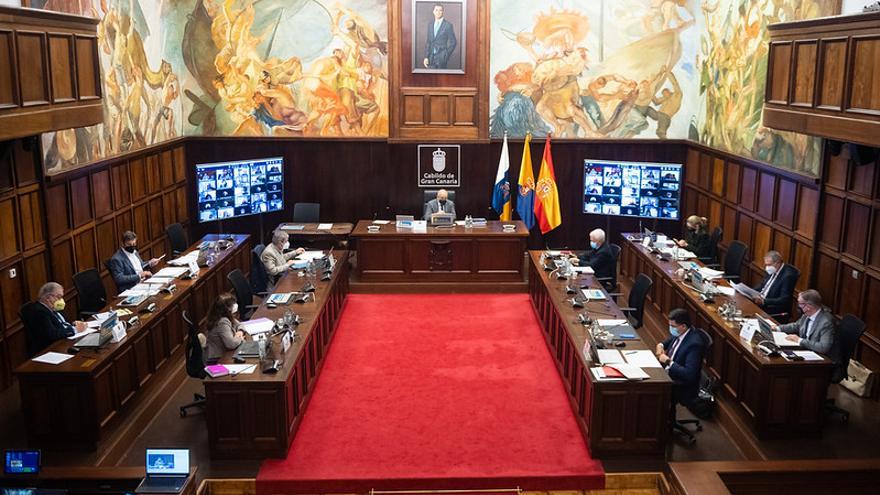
pixel 122 271
pixel 778 299
pixel 43 326
pixel 601 261
pixel 439 47
pixel 686 365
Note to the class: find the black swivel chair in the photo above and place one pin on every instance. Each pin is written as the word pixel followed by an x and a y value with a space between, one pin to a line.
pixel 636 310
pixel 679 425
pixel 306 212
pixel 90 292
pixel 195 363
pixel 733 260
pixel 714 239
pixel 849 331
pixel 243 294
pixel 177 238
pixel 258 277
pixel 429 194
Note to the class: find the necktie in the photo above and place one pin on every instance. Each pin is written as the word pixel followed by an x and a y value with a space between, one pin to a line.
pixel 772 279
pixel 672 349
pixel 809 328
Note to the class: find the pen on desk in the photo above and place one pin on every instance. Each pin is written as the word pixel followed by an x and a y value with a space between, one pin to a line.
pixel 627 353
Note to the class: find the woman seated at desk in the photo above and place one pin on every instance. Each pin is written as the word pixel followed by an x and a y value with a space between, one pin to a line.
pixel 224 333
pixel 697 240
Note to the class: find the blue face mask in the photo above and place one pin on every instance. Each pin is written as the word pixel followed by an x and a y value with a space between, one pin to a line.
pixel 594 245
pixel 673 331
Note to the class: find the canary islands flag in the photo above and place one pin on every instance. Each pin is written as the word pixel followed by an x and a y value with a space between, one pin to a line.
pixel 501 193
pixel 547 205
pixel 526 202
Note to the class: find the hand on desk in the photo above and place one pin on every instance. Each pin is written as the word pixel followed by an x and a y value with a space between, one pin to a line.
pixel 574 260
pixel 682 243
pixel 759 300
pixel 146 274
pixel 80 326
pixel 793 338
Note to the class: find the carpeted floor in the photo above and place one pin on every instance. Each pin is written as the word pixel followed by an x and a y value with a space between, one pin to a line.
pixel 436 391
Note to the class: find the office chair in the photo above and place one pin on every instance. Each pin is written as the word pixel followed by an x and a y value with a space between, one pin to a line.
pixel 258 277
pixel 429 194
pixel 243 294
pixel 610 283
pixel 306 212
pixel 90 292
pixel 679 425
pixel 195 363
pixel 733 260
pixel 714 239
pixel 636 310
pixel 177 238
pixel 849 331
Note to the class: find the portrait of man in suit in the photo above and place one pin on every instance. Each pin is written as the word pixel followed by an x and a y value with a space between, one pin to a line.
pixel 438 36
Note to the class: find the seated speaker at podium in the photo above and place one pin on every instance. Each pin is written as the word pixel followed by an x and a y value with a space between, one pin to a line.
pixel 440 206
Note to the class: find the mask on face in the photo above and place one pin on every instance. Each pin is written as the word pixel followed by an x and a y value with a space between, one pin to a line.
pixel 235 308
pixel 131 249
pixel 442 202
pixel 594 244
pixel 286 245
pixel 60 304
pixel 673 330
pixel 770 269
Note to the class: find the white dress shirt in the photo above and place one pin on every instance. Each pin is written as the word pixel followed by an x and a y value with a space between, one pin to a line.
pixel 766 289
pixel 135 261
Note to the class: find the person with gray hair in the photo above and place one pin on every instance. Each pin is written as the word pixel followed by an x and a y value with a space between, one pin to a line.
pixel 126 265
pixel 777 287
pixel 274 258
pixel 600 258
pixel 43 320
pixel 814 330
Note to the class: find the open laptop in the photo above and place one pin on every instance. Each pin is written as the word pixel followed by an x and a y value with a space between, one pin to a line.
pixel 167 471
pixel 21 462
pixel 102 336
pixel 405 221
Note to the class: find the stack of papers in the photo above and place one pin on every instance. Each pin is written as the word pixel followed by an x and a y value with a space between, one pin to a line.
pixel 293 227
pixel 630 371
pixel 171 272
pixel 140 290
pixel 808 355
pixel 186 259
pixel 381 222
pixel 642 359
pixel 258 326
pixel 710 274
pixel 325 226
pixel 610 356
pixel 688 265
pixel 583 269
pixel 611 323
pixel 779 338
pixel 725 290
pixel 156 280
pixel 52 358
pixel 310 255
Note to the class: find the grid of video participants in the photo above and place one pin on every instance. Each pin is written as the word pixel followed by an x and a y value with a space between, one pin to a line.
pixel 632 189
pixel 234 189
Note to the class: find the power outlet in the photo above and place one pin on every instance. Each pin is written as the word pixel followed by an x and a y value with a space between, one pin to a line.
pixel 855 274
pixel 12 273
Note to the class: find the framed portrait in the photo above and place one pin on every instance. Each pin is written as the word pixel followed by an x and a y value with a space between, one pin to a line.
pixel 439 40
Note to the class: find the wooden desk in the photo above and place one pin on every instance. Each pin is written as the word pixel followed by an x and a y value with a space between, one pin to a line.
pixel 255 415
pixel 486 255
pixel 116 479
pixel 71 405
pixel 616 418
pixel 774 397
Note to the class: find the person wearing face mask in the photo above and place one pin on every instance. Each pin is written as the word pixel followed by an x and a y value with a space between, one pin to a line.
pixel 43 320
pixel 814 330
pixel 599 257
pixel 440 204
pixel 275 259
pixel 126 265
pixel 777 287
pixel 696 239
pixel 682 356
pixel 224 332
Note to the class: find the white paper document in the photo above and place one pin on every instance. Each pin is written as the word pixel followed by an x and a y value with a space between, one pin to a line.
pixel 599 374
pixel 642 359
pixel 710 274
pixel 610 356
pixel 140 290
pixel 780 340
pixel 746 290
pixel 809 355
pixel 420 226
pixel 156 280
pixel 611 323
pixel 52 358
pixel 171 271
pixel 258 326
pixel 240 369
pixel 631 371
pixel 583 269
pixel 725 290
pixel 185 259
pixel 688 265
pixel 310 255
pixel 325 226
pixel 381 222
pixel 593 294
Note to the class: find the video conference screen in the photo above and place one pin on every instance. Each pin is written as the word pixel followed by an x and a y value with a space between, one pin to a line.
pixel 236 189
pixel 632 189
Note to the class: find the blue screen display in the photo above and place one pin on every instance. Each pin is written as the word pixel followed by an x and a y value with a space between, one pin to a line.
pixel 235 189
pixel 633 189
pixel 22 462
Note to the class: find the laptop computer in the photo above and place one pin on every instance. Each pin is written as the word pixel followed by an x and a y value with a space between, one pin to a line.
pixel 405 221
pixel 21 462
pixel 167 471
pixel 102 336
pixel 248 348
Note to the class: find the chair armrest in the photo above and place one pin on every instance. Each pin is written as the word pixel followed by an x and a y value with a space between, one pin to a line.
pixel 252 306
pixel 615 294
pixel 262 294
pixel 627 309
pixel 604 279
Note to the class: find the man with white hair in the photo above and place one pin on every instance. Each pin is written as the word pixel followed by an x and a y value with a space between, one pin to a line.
pixel 777 287
pixel 43 321
pixel 599 257
pixel 274 259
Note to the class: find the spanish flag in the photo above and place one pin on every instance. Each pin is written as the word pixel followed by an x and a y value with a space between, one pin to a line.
pixel 547 204
pixel 525 204
pixel 501 192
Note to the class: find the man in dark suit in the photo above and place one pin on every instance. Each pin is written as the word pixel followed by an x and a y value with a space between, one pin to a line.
pixel 43 321
pixel 814 330
pixel 441 41
pixel 126 265
pixel 440 204
pixel 682 356
pixel 599 257
pixel 777 287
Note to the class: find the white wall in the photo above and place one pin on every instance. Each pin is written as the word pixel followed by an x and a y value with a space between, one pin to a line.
pixel 11 3
pixel 854 6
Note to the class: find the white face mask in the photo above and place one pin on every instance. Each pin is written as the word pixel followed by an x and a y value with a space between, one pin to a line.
pixel 235 308
pixel 770 269
pixel 286 245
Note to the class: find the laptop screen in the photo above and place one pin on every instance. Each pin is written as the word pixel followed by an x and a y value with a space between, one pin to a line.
pixel 22 462
pixel 168 461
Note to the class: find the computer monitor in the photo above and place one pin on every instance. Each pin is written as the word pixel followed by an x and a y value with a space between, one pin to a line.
pixel 634 189
pixel 765 328
pixel 239 188
pixel 21 462
pixel 167 462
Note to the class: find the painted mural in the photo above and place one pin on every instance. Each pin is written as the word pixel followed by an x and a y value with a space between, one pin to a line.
pixel 232 67
pixel 733 70
pixel 593 69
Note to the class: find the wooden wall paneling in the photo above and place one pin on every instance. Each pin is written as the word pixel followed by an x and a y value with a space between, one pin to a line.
pixel 157 225
pixel 33 76
pixel 85 250
pixel 63 263
pixel 748 187
pixel 9 246
pixel 874 246
pixel 9 97
pixel 714 213
pixel 142 223
pixel 12 290
pixel 832 221
pixel 30 214
pixel 832 62
pixel 850 286
pixel 729 226
pixel 718 172
pixel 732 182
pixel 137 178
pixel 864 94
pixel 692 167
pixel 826 276
pixel 782 243
pixel 744 229
pixel 705 171
pixel 102 193
pixel 808 209
pixel 153 173
pixel 26 153
pixel 88 72
pixel 169 209
pixel 761 243
pixel 7 167
pixel 779 72
pixel 804 73
pixel 124 221
pixel 80 201
pixel 57 216
pixel 836 168
pixel 180 164
pixel 872 309
pixel 440 109
pixel 861 180
pixel 180 195
pixel 858 219
pixel 62 67
pixel 36 273
pixel 786 203
pixel 166 168
pixel 803 261
pixel 766 194
pixel 120 185
pixel 702 203
pixel 107 241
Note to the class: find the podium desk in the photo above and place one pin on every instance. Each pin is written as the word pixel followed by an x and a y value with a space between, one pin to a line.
pixel 309 232
pixel 773 396
pixel 73 404
pixel 256 415
pixel 485 255
pixel 617 418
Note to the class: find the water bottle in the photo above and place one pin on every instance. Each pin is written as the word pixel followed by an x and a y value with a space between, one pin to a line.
pixel 261 344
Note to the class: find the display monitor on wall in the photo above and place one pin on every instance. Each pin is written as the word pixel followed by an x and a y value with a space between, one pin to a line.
pixel 239 188
pixel 632 189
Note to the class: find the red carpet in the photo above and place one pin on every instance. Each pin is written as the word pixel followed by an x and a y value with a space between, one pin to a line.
pixel 413 399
